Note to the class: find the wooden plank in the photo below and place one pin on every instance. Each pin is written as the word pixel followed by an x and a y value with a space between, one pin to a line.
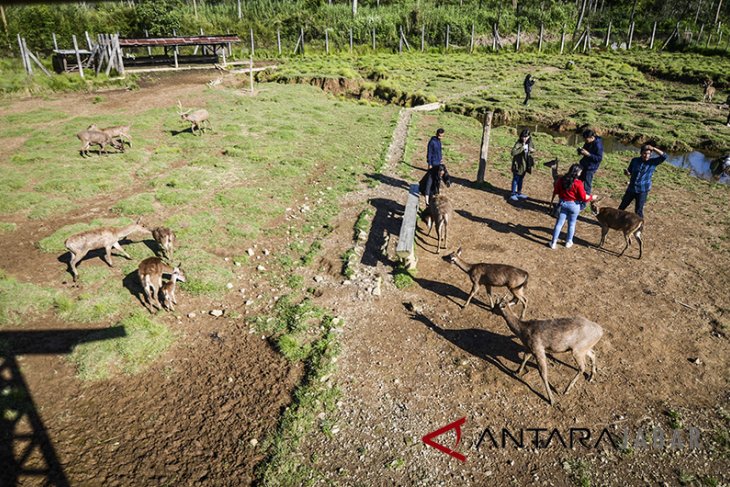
pixel 35 59
pixel 78 55
pixel 407 235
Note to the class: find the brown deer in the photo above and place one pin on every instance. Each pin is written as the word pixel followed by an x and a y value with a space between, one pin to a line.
pixel 168 289
pixel 577 335
pixel 119 134
pixel 709 91
pixel 165 238
pixel 440 213
pixel 493 275
pixel 150 273
pixel 95 137
pixel 197 118
pixel 100 238
pixel 629 223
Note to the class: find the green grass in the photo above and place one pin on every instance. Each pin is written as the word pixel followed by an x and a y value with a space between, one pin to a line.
pixel 7 227
pixel 144 341
pixel 21 301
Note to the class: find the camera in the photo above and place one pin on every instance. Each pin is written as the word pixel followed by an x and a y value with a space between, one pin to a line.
pixel 579 150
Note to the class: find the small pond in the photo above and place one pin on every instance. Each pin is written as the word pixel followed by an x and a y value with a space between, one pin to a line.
pixel 697 162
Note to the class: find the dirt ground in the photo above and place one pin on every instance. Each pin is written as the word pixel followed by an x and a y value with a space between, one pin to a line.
pixel 412 360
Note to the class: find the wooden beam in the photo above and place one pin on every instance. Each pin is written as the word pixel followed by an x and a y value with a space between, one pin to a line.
pixel 407 236
pixel 653 34
pixel 78 55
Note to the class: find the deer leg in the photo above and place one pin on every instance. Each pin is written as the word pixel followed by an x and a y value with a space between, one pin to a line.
pixel 604 232
pixel 628 241
pixel 542 366
pixel 524 362
pixel 75 258
pixel 489 293
pixel 580 359
pixel 474 289
pixel 592 355
pixel 641 244
pixel 519 295
pixel 108 256
pixel 446 234
pixel 120 249
pixel 439 229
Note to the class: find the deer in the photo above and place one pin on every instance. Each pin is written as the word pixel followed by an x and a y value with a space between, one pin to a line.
pixel 165 238
pixel 577 335
pixel 493 275
pixel 150 273
pixel 196 118
pixel 119 133
pixel 106 238
pixel 168 288
pixel 95 137
pixel 709 91
pixel 440 213
pixel 629 223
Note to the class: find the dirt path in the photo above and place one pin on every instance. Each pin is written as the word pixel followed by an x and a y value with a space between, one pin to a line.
pixel 412 361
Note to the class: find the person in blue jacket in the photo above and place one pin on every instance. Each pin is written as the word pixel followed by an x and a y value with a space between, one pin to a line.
pixel 433 153
pixel 592 152
pixel 641 169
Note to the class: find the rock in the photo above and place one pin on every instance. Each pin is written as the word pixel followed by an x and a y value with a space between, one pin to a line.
pixel 249 302
pixel 216 312
pixel 254 442
pixel 376 290
pixel 229 286
pixel 266 252
pixel 250 252
pixel 226 259
pixel 260 268
pixel 346 282
pixel 236 263
pixel 192 315
pixel 318 278
pixel 695 360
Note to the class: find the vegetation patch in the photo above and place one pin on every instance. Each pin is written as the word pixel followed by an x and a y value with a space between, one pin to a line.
pixel 19 300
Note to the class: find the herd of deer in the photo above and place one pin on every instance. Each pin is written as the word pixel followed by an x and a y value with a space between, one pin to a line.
pixel 150 270
pixel 577 334
pixel 119 135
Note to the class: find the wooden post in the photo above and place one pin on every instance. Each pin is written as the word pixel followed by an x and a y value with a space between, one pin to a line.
pixel 484 148
pixel 719 40
pixel 709 38
pixel 539 42
pixel 88 41
pixel 350 40
pixel 299 40
pixel 699 36
pixel 252 43
pixel 608 34
pixel 517 42
pixel 423 37
pixel 174 55
pixel 120 57
pixel 250 72
pixel 562 40
pixel 240 15
pixel 195 8
pixel 78 55
pixel 653 34
pixel 55 42
pixel 631 35
pixel 223 51
pixel 22 55
pixel 448 32
pixel 494 37
pixel 32 57
pixel 400 40
pixel 149 49
pixel 301 31
pixel 587 40
pixel 580 39
pixel 373 35
pixel 471 42
pixel 326 41
pixel 278 40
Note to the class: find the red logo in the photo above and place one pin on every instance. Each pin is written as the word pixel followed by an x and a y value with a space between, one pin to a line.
pixel 428 439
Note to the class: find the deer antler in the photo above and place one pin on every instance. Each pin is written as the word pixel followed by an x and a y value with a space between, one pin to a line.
pixel 180 109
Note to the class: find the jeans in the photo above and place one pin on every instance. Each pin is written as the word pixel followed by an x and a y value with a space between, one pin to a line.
pixel 569 210
pixel 632 195
pixel 517 180
pixel 587 178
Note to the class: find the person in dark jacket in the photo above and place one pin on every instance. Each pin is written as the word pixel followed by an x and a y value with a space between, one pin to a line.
pixel 522 163
pixel 433 153
pixel 430 183
pixel 529 81
pixel 592 152
pixel 641 169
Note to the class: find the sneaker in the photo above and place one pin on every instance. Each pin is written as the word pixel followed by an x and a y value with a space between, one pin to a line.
pixel 568 245
pixel 552 245
pixel 522 196
pixel 514 197
pixel 552 163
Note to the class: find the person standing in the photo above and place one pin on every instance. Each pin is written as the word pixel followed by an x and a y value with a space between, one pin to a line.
pixel 641 169
pixel 728 113
pixel 573 198
pixel 592 152
pixel 527 84
pixel 522 163
pixel 433 152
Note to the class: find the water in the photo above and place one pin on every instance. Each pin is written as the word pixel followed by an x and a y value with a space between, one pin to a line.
pixel 697 162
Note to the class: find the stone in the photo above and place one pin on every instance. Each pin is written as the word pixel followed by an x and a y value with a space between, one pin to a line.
pixel 192 315
pixel 229 286
pixel 216 312
pixel 318 278
pixel 250 252
pixel 260 268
